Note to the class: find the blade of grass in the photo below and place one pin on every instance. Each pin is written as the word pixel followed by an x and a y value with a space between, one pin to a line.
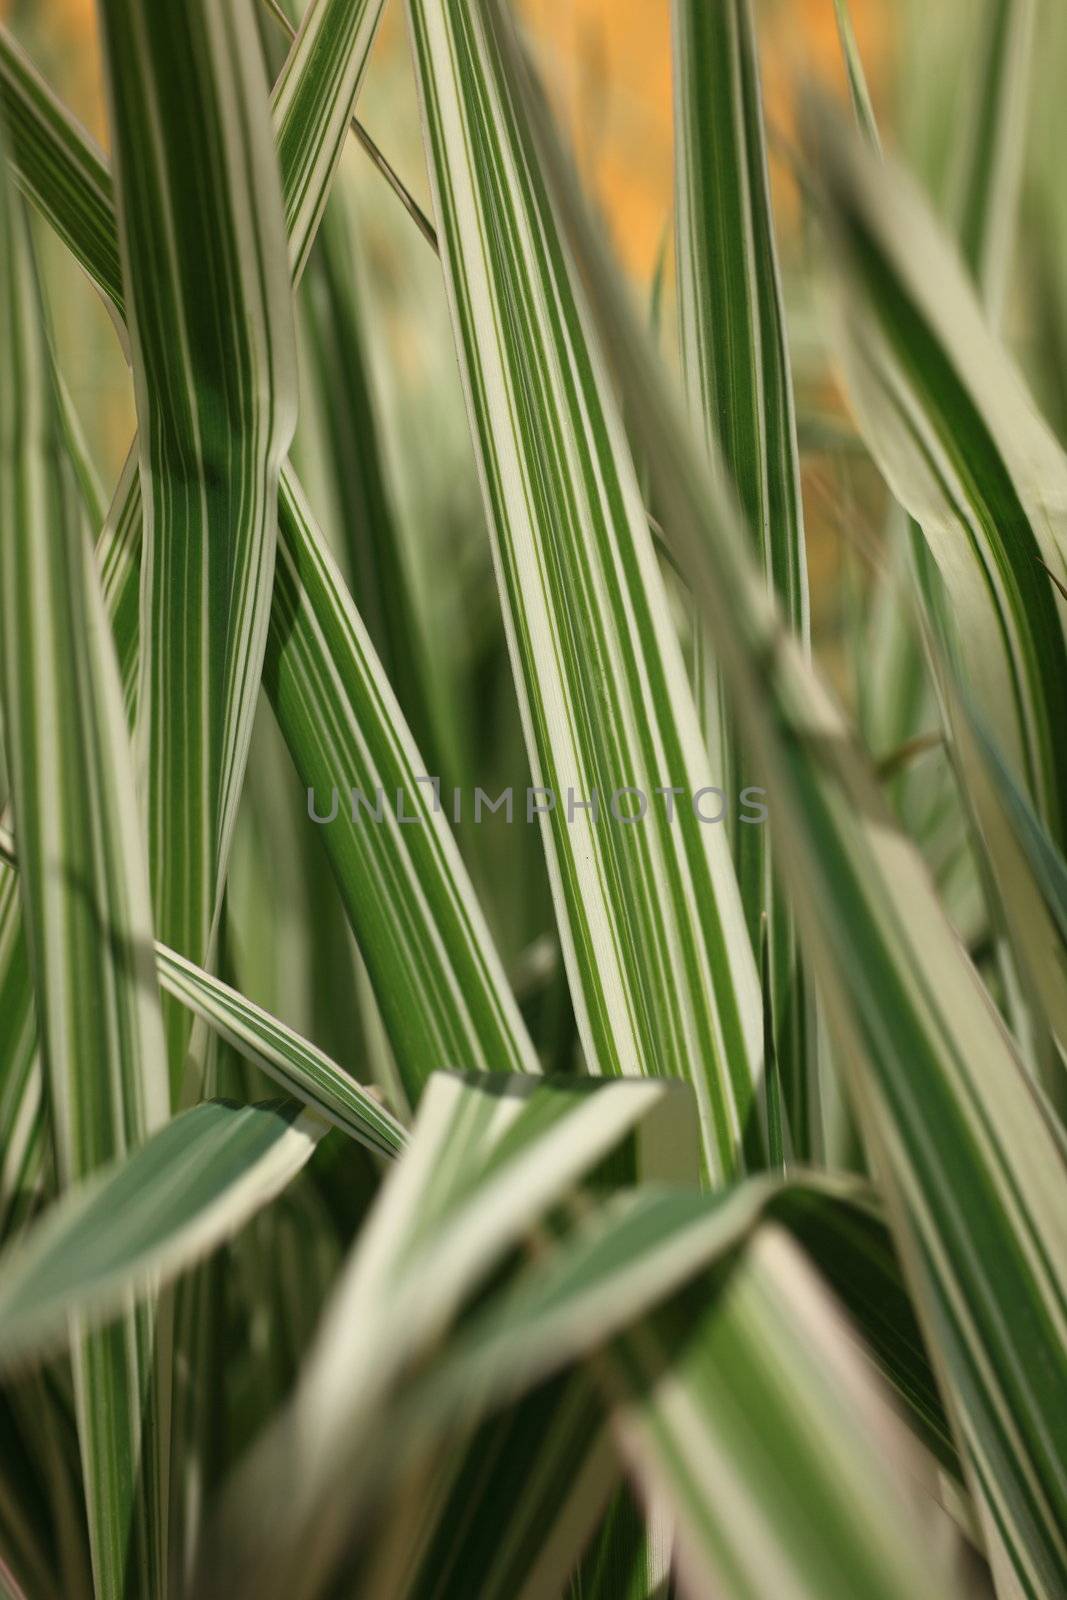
pixel 989 150
pixel 506 1513
pixel 661 972
pixel 39 130
pixel 857 78
pixel 736 361
pixel 636 1252
pixel 392 178
pixel 84 897
pixel 142 1221
pixel 374 556
pixel 1029 872
pixel 612 1282
pixel 832 1517
pixel 294 1062
pixel 955 434
pixel 987 181
pixel 208 309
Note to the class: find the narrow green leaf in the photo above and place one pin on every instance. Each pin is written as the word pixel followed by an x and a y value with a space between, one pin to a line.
pixel 373 550
pixel 736 360
pixel 313 103
pixel 507 1515
pixel 22 1127
pixel 956 436
pixel 300 1068
pixel 147 1218
pixel 83 890
pixel 989 150
pixel 1031 879
pixel 208 306
pixel 857 78
pixel 734 345
pixel 78 208
pixel 406 891
pixel 284 1055
pixel 661 972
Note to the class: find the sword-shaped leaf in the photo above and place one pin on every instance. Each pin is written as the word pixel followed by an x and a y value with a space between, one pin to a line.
pixel 736 360
pixel 953 429
pixel 208 308
pixel 661 971
pixel 191 1185
pixel 84 894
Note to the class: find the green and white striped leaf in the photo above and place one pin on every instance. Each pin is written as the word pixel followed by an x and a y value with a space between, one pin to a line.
pixel 609 1284
pixel 831 1517
pixel 736 360
pixel 442 992
pixel 972 1160
pixel 135 1226
pixel 989 149
pixel 988 162
pixel 489 1158
pixel 371 539
pixel 661 972
pixel 84 894
pixel 313 103
pixel 732 318
pixel 293 1061
pixel 636 1252
pixel 987 181
pixel 22 1124
pixel 1030 875
pixel 635 1275
pixel 508 1509
pixel 859 93
pixel 40 130
pixel 406 891
pixel 208 304
pixel 956 435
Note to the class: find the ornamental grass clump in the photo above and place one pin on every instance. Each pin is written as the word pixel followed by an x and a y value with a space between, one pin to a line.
pixel 510 1085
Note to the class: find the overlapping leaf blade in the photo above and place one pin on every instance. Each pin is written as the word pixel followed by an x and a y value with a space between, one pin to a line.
pixel 628 1275
pixel 84 894
pixel 78 205
pixel 967 1148
pixel 208 308
pixel 143 1221
pixel 987 182
pixel 956 435
pixel 639 1251
pixel 300 1068
pixel 298 1065
pixel 490 1158
pixel 317 644
pixel 661 972
pixel 698 1383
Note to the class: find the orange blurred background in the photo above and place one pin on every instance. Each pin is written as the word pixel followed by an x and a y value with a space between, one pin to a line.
pixel 608 67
